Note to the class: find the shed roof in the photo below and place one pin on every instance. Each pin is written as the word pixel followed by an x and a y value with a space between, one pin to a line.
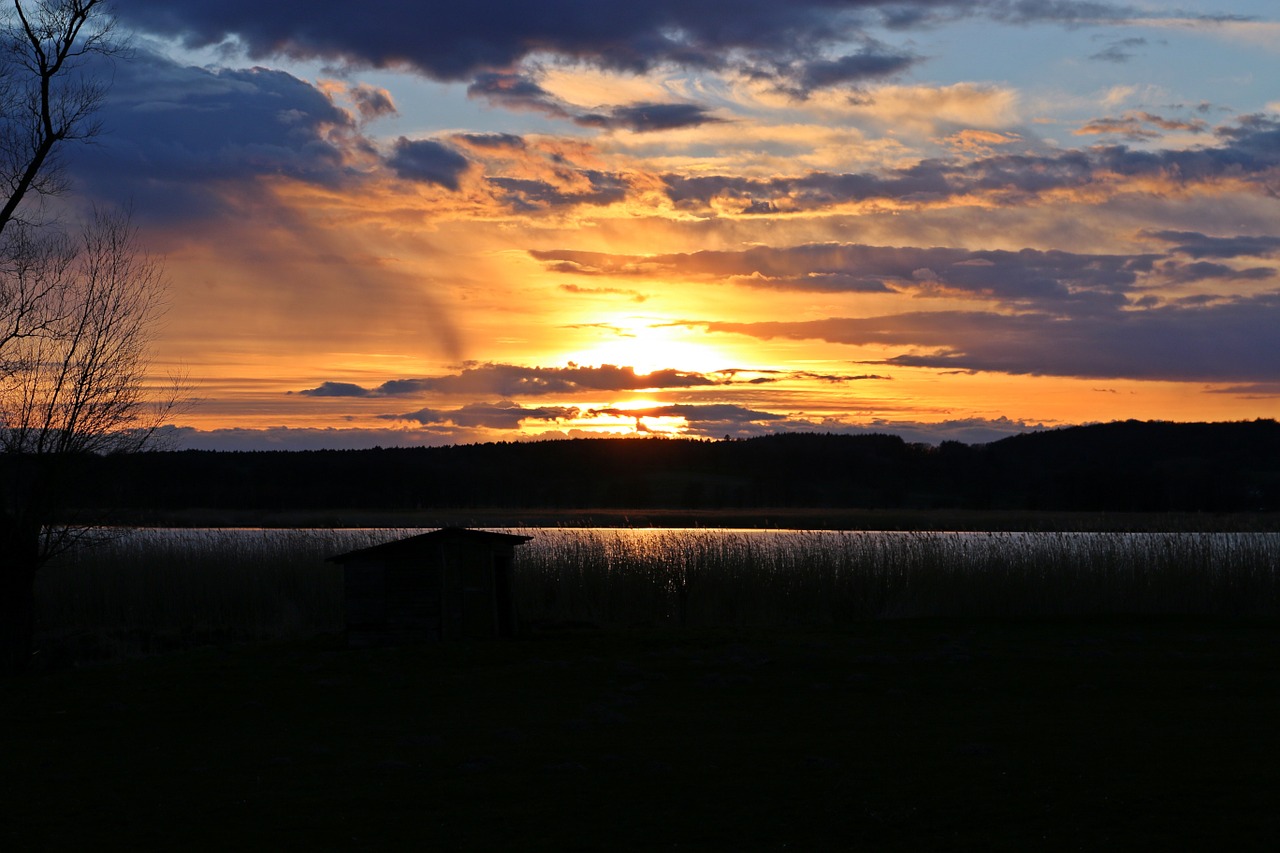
pixel 414 545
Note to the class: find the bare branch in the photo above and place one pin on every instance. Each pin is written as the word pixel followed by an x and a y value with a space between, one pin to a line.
pixel 47 94
pixel 75 383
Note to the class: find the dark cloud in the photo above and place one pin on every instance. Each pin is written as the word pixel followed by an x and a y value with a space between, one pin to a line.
pixel 173 132
pixel 1253 391
pixel 1026 277
pixel 527 194
pixel 875 61
pixel 644 117
pixel 337 389
pixel 1120 50
pixel 500 415
pixel 177 136
pixel 1198 245
pixel 1227 341
pixel 453 42
pixel 371 102
pixel 1070 12
pixel 1141 125
pixel 516 91
pixel 1248 152
pixel 764 377
pixel 457 41
pixel 509 380
pixel 1180 273
pixel 427 161
pixel 492 141
pixel 590 187
pixel 809 192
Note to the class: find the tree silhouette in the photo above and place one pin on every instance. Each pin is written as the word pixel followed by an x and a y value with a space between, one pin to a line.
pixel 76 311
pixel 48 94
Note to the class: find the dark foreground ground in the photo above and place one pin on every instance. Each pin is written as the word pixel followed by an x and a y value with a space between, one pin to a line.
pixel 889 736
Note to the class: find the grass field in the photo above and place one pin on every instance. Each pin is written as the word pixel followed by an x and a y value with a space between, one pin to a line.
pixel 926 734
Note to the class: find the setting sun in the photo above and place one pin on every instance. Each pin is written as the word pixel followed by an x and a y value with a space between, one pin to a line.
pixel 651 344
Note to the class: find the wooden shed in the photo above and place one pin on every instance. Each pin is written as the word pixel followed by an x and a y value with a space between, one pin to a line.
pixel 448 584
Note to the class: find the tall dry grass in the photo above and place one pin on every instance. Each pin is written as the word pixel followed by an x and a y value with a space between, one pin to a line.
pixel 149 591
pixel 737 578
pixel 142 592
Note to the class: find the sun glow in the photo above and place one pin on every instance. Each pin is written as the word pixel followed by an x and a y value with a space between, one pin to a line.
pixel 647 344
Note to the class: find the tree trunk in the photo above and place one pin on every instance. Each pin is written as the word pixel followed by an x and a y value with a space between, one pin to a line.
pixel 19 560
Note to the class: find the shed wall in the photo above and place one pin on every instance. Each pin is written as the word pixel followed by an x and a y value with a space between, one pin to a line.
pixel 446 590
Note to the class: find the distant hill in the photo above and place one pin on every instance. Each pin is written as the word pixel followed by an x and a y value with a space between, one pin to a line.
pixel 1129 466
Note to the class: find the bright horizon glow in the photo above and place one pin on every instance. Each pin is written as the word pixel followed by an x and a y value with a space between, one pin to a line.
pixel 648 345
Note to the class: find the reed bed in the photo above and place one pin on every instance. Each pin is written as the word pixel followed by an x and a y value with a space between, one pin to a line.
pixel 739 578
pixel 148 591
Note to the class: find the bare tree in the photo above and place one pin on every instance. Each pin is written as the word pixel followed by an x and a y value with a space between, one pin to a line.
pixel 77 312
pixel 49 94
pixel 72 383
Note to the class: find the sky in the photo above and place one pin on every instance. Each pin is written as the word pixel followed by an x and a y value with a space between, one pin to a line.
pixel 434 223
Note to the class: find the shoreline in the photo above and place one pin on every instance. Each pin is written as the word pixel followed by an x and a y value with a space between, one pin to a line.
pixel 784 518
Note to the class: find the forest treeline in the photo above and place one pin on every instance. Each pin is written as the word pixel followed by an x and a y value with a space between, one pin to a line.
pixel 1125 466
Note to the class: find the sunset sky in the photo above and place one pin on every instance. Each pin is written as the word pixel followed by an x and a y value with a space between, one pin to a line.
pixel 424 223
